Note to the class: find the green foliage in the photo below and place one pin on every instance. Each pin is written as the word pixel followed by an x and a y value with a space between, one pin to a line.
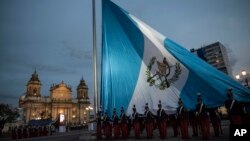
pixel 9 113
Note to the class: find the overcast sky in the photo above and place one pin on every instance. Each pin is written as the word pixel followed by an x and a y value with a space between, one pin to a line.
pixel 55 36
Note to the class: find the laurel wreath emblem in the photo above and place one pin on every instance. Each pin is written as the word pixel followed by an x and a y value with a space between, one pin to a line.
pixel 166 82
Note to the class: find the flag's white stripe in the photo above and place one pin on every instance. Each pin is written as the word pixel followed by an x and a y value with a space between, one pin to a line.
pixel 153 46
pixel 158 40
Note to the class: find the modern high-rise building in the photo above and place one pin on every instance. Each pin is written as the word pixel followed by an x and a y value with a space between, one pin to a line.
pixel 215 54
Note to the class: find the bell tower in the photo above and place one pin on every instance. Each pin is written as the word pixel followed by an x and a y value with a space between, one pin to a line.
pixel 82 90
pixel 33 87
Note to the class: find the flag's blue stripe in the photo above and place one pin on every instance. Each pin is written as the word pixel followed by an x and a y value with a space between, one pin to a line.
pixel 204 78
pixel 122 52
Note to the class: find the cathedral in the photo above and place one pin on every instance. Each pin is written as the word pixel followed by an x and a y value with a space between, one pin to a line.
pixel 35 106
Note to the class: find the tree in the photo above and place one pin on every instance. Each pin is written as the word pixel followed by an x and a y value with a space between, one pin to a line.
pixel 7 114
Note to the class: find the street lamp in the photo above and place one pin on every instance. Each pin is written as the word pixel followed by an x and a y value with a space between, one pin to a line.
pixel 89 108
pixel 237 76
pixel 244 73
pixel 243 78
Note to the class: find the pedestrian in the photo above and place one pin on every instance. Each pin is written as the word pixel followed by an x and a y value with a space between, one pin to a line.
pixel 203 115
pixel 148 122
pixel 182 115
pixel 162 121
pixel 136 123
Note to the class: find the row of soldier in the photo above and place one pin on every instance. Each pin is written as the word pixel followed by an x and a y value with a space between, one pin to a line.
pixel 23 132
pixel 199 119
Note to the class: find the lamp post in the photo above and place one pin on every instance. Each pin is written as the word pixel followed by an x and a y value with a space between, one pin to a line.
pixel 90 124
pixel 237 77
pixel 244 73
pixel 89 109
pixel 243 78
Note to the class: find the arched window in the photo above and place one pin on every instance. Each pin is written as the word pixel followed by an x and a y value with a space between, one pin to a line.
pixel 35 91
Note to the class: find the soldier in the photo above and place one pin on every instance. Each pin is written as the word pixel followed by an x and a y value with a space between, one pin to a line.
pixel 19 133
pixel 25 132
pixel 136 123
pixel 35 131
pixel 14 133
pixel 162 121
pixel 45 130
pixel 174 124
pixel 182 115
pixel 116 125
pixel 234 108
pixel 203 115
pixel 193 119
pixel 99 125
pixel 40 131
pixel 124 124
pixel 148 122
pixel 107 125
pixel 30 132
pixel 216 121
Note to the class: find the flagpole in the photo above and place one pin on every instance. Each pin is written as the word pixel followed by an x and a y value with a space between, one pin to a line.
pixel 94 59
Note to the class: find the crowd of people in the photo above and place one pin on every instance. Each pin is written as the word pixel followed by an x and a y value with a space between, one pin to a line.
pixel 23 132
pixel 199 120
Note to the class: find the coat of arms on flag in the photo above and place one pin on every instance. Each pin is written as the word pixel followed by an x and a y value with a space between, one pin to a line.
pixel 162 77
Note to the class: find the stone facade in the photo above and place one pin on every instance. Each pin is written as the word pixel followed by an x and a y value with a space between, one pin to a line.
pixel 60 101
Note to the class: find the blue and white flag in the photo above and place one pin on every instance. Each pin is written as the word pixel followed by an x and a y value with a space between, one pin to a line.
pixel 140 65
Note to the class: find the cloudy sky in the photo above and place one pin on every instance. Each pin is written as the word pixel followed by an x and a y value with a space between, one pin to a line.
pixel 55 36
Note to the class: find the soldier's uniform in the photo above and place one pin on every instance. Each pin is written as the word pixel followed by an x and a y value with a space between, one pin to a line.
pixel 14 133
pixel 162 121
pixel 234 108
pixel 173 123
pixel 45 130
pixel 19 133
pixel 99 126
pixel 116 125
pixel 35 131
pixel 136 123
pixel 216 121
pixel 40 131
pixel 193 119
pixel 149 122
pixel 25 132
pixel 203 115
pixel 124 124
pixel 31 134
pixel 182 115
pixel 107 126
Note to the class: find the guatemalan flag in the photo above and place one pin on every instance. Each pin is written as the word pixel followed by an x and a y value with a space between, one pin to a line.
pixel 140 65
